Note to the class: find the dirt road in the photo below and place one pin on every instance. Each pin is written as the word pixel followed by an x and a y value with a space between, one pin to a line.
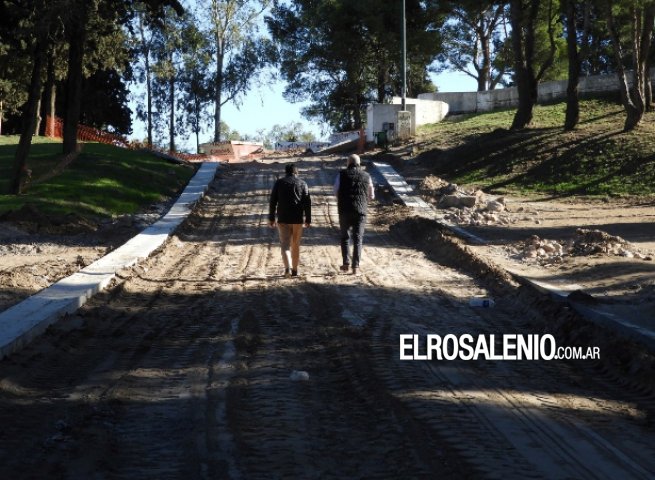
pixel 182 369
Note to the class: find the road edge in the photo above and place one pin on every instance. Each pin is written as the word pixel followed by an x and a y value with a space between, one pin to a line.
pixel 409 198
pixel 24 321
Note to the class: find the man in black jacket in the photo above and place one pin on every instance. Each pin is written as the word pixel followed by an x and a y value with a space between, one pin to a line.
pixel 290 197
pixel 353 188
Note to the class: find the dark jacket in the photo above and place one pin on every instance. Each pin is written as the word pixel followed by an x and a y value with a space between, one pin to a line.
pixel 290 196
pixel 352 196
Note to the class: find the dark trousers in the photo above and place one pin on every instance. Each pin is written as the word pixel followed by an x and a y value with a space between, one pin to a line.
pixel 352 233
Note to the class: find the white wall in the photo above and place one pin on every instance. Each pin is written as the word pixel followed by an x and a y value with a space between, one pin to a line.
pixel 427 111
pixel 470 102
pixel 423 111
pixel 456 101
pixel 379 113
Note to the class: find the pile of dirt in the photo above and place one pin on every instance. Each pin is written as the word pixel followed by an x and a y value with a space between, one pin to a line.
pixel 586 243
pixel 466 207
pixel 590 242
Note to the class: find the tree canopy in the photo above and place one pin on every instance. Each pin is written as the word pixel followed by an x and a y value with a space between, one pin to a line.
pixel 78 58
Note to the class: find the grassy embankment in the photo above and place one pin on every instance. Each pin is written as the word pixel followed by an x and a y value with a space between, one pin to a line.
pixel 598 158
pixel 102 181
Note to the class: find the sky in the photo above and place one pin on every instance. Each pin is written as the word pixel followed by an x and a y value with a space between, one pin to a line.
pixel 265 106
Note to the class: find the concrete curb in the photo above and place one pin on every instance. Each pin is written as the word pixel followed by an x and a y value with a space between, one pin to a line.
pixel 406 194
pixel 605 319
pixel 24 321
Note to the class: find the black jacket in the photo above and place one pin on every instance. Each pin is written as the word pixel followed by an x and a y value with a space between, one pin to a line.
pixel 290 196
pixel 352 196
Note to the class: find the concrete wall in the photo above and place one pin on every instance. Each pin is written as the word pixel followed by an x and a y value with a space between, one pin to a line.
pixel 423 111
pixel 427 111
pixel 379 113
pixel 457 101
pixel 470 102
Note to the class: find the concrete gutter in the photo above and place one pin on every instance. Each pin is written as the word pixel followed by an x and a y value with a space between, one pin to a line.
pixel 24 321
pixel 589 311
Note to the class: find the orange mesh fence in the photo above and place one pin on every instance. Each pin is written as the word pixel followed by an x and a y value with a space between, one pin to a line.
pixel 55 129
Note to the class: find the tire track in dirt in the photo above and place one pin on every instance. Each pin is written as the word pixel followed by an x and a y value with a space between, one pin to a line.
pixel 486 441
pixel 182 370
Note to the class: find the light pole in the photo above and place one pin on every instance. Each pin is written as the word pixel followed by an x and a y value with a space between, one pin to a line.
pixel 404 41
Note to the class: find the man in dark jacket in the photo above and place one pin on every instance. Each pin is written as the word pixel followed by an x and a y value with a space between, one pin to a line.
pixel 290 197
pixel 353 188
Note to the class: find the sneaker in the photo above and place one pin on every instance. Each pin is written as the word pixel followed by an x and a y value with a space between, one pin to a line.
pixel 294 273
pixel 356 271
pixel 287 273
pixel 345 268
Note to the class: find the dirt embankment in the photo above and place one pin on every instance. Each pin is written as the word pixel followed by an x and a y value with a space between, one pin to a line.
pixel 602 247
pixel 37 250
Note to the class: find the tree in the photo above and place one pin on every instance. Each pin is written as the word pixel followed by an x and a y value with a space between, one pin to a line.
pixel 16 43
pixel 228 134
pixel 81 21
pixel 239 51
pixel 575 56
pixel 640 17
pixel 195 82
pixel 474 34
pixel 167 50
pixel 105 101
pixel 41 26
pixel 143 40
pixel 524 17
pixel 342 55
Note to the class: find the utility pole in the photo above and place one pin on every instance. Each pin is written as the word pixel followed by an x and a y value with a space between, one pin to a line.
pixel 404 40
pixel 404 117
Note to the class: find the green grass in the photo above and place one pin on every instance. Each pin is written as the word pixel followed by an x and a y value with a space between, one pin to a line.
pixel 103 180
pixel 598 158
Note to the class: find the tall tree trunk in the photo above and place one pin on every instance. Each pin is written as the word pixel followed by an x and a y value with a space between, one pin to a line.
pixel 196 126
pixel 149 98
pixel 218 100
pixel 484 74
pixel 572 101
pixel 171 120
pixel 633 113
pixel 50 96
pixel 76 41
pixel 381 82
pixel 523 15
pixel 644 55
pixel 52 111
pixel 357 114
pixel 39 117
pixel 29 116
pixel 146 62
pixel 523 46
pixel 648 88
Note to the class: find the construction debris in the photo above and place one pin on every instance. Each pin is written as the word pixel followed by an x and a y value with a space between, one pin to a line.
pixel 586 242
pixel 466 207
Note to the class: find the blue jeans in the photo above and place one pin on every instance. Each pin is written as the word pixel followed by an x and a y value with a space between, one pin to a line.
pixel 352 233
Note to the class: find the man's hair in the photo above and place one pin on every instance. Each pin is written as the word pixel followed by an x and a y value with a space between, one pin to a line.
pixel 291 169
pixel 353 160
